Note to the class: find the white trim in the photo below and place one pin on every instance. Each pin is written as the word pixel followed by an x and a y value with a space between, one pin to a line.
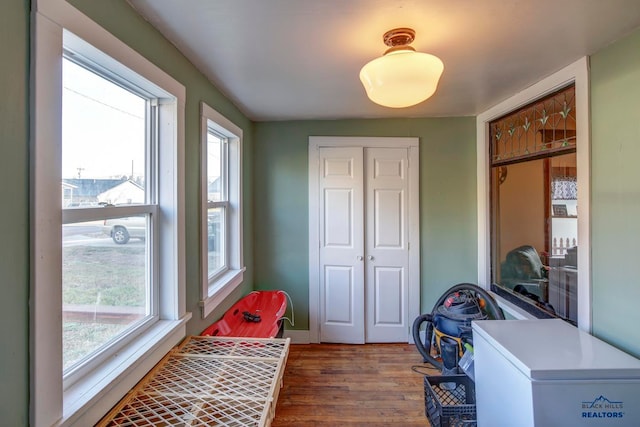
pixel 412 144
pixel 88 214
pixel 314 244
pixel 68 17
pixel 171 200
pixel 414 236
pixel 45 344
pixel 212 293
pixel 577 72
pixel 54 23
pixel 230 281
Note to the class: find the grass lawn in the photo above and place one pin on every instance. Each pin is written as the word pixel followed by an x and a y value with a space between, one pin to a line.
pixel 104 275
pixel 99 276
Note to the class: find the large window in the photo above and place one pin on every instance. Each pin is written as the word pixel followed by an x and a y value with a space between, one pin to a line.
pixel 221 224
pixel 108 286
pixel 107 259
pixel 533 199
pixel 534 239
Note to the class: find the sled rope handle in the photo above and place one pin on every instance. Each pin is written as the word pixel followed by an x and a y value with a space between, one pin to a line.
pixel 291 322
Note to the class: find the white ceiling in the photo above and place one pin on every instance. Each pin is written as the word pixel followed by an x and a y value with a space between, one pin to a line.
pixel 300 59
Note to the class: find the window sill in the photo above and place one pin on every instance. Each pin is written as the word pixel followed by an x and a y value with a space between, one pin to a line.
pixel 511 310
pixel 220 289
pixel 516 307
pixel 89 399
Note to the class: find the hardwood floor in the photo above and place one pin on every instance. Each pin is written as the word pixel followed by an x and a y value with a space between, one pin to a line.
pixel 369 385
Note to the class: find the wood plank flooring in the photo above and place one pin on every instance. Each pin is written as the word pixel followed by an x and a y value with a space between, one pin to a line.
pixel 369 385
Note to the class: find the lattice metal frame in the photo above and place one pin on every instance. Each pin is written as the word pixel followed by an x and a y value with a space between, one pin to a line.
pixel 207 381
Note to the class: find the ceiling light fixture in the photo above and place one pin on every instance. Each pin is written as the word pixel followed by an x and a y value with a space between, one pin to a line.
pixel 401 77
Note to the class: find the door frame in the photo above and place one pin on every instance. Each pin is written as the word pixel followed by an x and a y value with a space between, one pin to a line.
pixel 412 145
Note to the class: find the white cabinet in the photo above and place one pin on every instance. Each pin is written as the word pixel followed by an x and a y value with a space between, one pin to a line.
pixel 547 373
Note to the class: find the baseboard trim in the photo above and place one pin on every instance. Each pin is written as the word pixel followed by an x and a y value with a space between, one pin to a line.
pixel 303 336
pixel 297 336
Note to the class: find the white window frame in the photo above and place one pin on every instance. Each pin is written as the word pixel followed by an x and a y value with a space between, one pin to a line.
pixel 52 401
pixel 224 194
pixel 149 209
pixel 217 287
pixel 578 73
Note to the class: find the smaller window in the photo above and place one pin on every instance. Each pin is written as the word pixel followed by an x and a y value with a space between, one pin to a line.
pixel 221 225
pixel 217 203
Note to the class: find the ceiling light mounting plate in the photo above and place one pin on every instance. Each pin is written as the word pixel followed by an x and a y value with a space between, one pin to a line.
pixel 399 38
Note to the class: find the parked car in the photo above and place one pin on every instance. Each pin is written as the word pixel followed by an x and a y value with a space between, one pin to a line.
pixel 123 229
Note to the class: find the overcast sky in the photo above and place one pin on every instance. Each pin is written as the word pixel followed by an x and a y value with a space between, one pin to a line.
pixel 103 127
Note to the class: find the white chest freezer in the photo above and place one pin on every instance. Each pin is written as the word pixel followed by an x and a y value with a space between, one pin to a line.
pixel 547 373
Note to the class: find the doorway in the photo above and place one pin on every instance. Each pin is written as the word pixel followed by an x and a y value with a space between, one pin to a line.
pixel 363 239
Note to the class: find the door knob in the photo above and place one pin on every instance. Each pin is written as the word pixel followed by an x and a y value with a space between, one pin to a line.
pixel 370 257
pixel 360 258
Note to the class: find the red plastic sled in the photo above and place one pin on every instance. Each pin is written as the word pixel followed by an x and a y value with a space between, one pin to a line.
pixel 257 315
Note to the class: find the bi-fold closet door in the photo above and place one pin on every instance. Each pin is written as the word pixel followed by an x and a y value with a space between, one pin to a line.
pixel 363 257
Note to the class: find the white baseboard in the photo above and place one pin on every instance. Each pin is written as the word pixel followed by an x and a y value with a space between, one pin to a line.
pixel 297 336
pixel 302 336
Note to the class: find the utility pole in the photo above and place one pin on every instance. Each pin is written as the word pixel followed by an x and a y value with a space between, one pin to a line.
pixel 79 172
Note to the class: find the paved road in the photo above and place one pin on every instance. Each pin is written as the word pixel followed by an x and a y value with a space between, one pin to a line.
pixel 81 240
pixel 80 229
pixel 89 234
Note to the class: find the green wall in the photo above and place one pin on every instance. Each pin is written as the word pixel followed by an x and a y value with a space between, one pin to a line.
pixel 14 213
pixel 447 201
pixel 275 188
pixel 615 193
pixel 123 22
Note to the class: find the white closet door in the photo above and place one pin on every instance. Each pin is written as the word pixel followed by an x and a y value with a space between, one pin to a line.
pixel 386 250
pixel 364 258
pixel 341 233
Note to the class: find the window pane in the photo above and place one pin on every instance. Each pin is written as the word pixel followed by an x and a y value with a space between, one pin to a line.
pixel 216 240
pixel 535 233
pixel 545 127
pixel 215 177
pixel 221 206
pixel 103 140
pixel 104 283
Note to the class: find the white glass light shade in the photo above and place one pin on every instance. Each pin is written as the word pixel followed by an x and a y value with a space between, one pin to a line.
pixel 401 78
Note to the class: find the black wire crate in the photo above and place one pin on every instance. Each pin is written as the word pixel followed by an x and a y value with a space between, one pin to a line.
pixel 450 401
